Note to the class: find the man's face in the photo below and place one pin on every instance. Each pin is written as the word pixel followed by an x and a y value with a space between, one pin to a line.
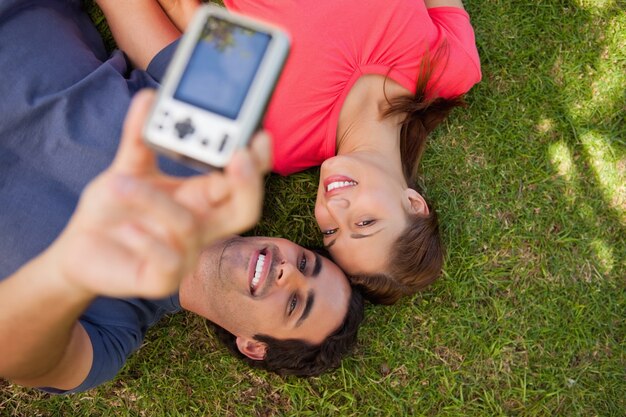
pixel 271 286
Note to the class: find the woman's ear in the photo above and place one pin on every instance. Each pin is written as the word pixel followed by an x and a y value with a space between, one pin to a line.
pixel 415 203
pixel 251 348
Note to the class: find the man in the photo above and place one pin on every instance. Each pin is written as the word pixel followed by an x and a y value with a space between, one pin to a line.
pixel 77 297
pixel 70 317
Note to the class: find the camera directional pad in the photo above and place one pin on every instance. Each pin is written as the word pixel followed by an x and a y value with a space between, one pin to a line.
pixel 184 128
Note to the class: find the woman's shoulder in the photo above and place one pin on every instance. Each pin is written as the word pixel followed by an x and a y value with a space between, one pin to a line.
pixel 456 50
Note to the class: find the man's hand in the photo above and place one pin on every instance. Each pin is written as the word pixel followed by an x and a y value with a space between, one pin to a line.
pixel 137 232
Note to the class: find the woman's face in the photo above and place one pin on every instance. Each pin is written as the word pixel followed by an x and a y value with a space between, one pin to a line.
pixel 361 209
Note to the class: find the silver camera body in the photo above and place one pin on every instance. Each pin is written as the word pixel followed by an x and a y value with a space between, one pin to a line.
pixel 216 88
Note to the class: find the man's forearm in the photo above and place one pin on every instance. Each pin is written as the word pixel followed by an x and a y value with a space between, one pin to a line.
pixel 38 326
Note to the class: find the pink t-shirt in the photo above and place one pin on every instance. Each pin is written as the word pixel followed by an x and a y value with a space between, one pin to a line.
pixel 334 43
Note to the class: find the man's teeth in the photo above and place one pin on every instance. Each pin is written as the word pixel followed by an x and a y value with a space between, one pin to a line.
pixel 257 271
pixel 340 184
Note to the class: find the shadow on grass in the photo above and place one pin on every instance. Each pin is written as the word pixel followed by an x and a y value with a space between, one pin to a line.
pixel 554 105
pixel 530 185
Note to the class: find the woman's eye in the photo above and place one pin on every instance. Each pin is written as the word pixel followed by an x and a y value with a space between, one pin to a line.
pixel 365 223
pixel 329 232
pixel 292 304
pixel 302 264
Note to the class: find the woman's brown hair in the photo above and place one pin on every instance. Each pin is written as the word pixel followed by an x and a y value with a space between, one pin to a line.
pixel 419 252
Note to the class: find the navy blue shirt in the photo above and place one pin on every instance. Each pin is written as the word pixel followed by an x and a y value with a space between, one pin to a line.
pixel 63 100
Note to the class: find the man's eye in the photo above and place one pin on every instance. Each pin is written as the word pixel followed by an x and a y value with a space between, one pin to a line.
pixel 302 264
pixel 329 232
pixel 292 304
pixel 365 223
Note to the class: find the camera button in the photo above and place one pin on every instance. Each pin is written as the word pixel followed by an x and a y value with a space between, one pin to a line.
pixel 184 128
pixel 224 140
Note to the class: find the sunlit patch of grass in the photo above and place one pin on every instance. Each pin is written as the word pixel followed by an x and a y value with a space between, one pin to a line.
pixel 594 90
pixel 595 5
pixel 604 254
pixel 604 161
pixel 602 83
pixel 561 158
pixel 545 126
pixel 563 161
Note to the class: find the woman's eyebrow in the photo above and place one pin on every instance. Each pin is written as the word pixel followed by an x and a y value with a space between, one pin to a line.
pixel 355 236
pixel 361 236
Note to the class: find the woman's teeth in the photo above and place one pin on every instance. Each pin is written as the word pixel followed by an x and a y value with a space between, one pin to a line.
pixel 340 184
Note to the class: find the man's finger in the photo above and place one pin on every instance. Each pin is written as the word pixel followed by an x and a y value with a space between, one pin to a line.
pixel 261 151
pixel 133 156
pixel 243 208
pixel 120 271
pixel 157 210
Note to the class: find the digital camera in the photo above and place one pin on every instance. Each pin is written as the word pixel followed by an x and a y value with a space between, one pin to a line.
pixel 216 88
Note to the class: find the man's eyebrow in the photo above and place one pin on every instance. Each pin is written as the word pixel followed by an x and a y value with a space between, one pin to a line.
pixel 330 244
pixel 307 307
pixel 318 265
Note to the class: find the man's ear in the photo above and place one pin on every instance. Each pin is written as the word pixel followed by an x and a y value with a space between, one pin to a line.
pixel 251 348
pixel 415 203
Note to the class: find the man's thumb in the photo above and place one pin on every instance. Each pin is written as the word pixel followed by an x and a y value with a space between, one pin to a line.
pixel 133 156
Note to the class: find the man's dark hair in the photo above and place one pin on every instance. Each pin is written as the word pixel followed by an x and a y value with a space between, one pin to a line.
pixel 300 358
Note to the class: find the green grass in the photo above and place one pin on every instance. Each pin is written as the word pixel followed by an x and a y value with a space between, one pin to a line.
pixel 528 320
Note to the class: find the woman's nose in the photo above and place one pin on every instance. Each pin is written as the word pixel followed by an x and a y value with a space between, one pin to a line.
pixel 336 204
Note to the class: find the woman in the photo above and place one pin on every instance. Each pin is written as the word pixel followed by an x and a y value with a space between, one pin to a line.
pixel 366 82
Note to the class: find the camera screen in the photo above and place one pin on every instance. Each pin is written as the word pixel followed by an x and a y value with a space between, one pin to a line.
pixel 222 67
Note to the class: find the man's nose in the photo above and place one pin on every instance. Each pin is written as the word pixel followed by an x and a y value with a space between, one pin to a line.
pixel 288 275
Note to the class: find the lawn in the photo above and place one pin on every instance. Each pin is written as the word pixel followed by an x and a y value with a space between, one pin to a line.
pixel 528 318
